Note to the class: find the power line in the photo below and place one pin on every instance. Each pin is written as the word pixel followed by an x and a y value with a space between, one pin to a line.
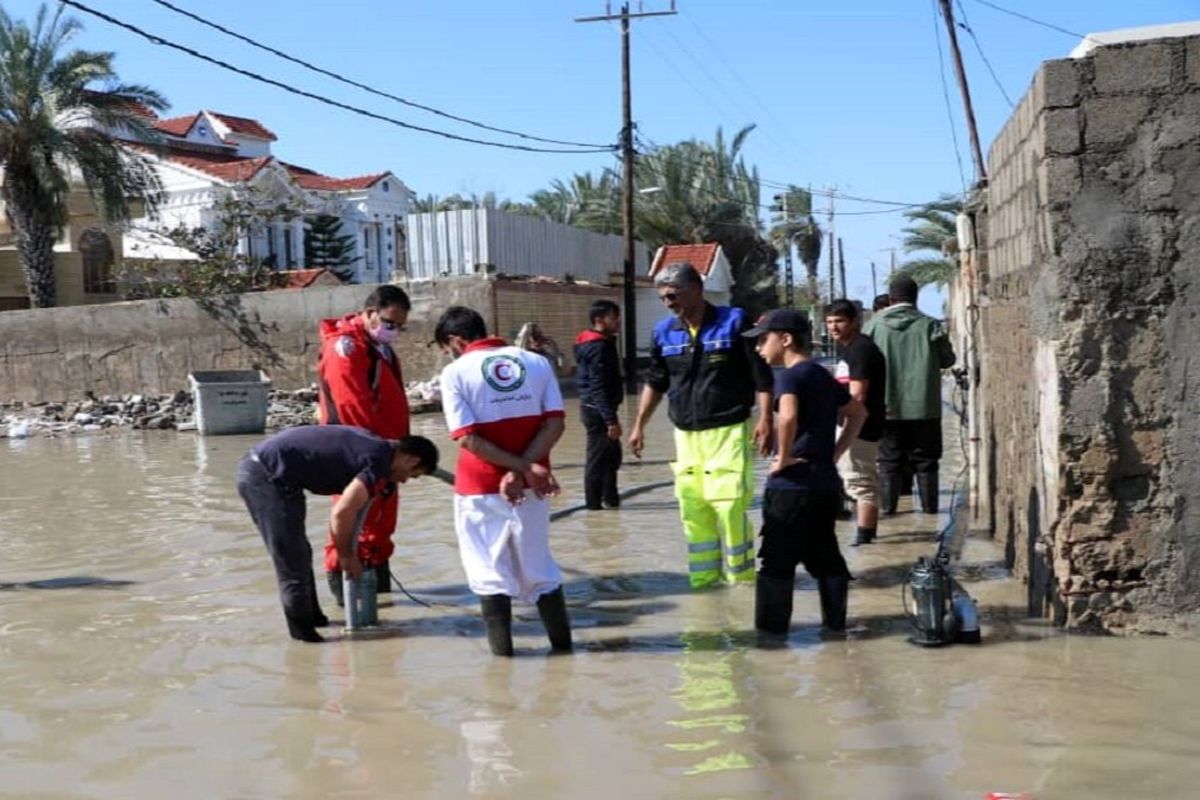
pixel 363 86
pixel 1051 26
pixel 946 96
pixel 158 40
pixel 966 26
pixel 653 147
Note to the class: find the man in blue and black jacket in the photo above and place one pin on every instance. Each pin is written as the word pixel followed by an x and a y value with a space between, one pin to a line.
pixel 598 378
pixel 713 379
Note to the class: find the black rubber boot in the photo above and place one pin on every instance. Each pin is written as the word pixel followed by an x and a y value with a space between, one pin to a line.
pixel 773 604
pixel 335 587
pixel 383 578
pixel 497 620
pixel 318 616
pixel 833 593
pixel 927 488
pixel 552 608
pixel 863 536
pixel 889 493
pixel 303 630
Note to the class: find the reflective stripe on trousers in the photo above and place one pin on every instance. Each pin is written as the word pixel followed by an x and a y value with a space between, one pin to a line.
pixel 714 483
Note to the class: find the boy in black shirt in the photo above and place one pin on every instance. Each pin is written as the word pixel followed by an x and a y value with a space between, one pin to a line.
pixel 326 460
pixel 862 369
pixel 803 493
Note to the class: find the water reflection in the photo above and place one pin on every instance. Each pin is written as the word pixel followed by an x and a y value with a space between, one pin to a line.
pixel 140 641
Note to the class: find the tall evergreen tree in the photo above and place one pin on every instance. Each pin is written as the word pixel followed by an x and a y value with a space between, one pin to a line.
pixel 325 246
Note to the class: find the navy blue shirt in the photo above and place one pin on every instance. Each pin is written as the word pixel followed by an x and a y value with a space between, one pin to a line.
pixel 324 459
pixel 818 398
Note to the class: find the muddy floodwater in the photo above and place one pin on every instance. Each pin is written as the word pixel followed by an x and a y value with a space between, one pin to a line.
pixel 143 655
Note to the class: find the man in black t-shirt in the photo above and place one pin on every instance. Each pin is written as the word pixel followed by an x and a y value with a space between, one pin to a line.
pixel 862 368
pixel 325 460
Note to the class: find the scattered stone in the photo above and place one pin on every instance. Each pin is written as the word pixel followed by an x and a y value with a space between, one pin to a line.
pixel 171 411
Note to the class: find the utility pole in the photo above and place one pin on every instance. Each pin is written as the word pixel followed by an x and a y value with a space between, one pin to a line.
pixel 627 156
pixel 874 284
pixel 789 296
pixel 832 243
pixel 976 152
pixel 842 267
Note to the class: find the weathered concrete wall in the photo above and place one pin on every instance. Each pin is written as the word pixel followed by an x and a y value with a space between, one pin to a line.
pixel 150 346
pixel 1088 308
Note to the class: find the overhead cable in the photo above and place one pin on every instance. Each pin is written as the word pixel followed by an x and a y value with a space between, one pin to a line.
pixel 966 26
pixel 158 40
pixel 937 35
pixel 370 89
pixel 1027 18
pixel 652 148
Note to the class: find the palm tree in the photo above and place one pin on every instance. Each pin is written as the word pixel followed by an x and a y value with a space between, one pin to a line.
pixel 55 131
pixel 935 229
pixel 705 192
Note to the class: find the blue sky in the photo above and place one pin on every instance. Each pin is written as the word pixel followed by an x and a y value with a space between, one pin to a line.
pixel 845 94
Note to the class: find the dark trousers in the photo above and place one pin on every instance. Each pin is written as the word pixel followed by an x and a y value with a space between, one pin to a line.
pixel 798 528
pixel 911 446
pixel 278 513
pixel 602 461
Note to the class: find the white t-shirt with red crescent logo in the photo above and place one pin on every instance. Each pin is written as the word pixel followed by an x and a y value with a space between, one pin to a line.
pixel 503 394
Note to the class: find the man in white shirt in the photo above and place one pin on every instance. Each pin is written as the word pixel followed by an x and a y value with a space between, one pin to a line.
pixel 504 408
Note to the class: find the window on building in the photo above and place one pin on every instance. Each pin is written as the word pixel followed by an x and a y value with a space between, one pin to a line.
pixel 289 254
pixel 96 252
pixel 368 251
pixel 272 255
pixel 386 188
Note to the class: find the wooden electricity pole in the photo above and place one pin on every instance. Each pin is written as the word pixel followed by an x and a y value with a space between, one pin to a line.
pixel 976 151
pixel 627 156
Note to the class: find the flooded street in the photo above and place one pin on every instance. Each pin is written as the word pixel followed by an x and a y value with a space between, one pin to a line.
pixel 143 653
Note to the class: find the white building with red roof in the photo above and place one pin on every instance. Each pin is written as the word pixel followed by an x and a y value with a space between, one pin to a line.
pixel 202 155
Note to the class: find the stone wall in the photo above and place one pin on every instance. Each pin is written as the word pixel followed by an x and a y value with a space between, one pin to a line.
pixel 1088 318
pixel 150 346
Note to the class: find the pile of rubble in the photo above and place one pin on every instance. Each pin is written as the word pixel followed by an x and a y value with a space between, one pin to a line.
pixel 285 409
pixel 139 412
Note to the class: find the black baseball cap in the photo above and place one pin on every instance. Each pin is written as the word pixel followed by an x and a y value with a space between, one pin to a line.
pixel 783 320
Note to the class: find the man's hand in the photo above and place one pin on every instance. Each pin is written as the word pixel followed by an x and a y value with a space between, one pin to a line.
pixel 614 431
pixel 350 565
pixel 636 440
pixel 764 437
pixel 541 481
pixel 512 488
pixel 782 461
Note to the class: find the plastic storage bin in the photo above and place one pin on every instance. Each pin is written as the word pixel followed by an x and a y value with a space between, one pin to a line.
pixel 230 401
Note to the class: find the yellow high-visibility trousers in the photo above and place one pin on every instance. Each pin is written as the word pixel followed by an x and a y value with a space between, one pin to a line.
pixel 714 482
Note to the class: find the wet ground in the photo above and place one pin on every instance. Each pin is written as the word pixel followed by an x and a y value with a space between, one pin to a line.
pixel 143 655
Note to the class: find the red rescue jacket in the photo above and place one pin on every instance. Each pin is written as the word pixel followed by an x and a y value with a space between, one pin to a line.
pixel 359 380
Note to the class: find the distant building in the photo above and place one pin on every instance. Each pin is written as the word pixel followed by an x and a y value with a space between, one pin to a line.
pixel 85 259
pixel 203 153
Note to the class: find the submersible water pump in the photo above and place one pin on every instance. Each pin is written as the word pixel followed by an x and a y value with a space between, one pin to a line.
pixel 939 608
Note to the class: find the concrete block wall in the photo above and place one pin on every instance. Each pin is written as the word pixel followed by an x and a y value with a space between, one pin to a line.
pixel 150 346
pixel 1091 312
pixel 561 310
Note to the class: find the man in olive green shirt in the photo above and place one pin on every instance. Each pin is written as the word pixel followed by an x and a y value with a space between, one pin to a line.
pixel 916 349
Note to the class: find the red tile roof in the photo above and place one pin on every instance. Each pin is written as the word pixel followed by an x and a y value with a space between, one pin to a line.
pixel 309 179
pixel 136 108
pixel 700 256
pixel 245 126
pixel 226 166
pixel 303 278
pixel 176 126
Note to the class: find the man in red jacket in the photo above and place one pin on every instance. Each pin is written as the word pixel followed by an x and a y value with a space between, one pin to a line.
pixel 361 385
